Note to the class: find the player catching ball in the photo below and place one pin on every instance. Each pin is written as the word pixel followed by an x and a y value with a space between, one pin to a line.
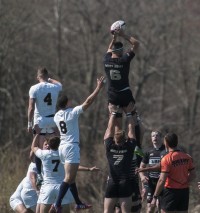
pixel 117 67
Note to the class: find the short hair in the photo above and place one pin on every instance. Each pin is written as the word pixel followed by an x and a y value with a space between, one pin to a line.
pixel 157 131
pixel 120 136
pixel 42 72
pixel 54 142
pixel 117 46
pixel 171 140
pixel 62 102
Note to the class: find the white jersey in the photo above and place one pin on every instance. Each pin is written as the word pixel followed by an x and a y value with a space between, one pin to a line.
pixel 27 182
pixel 17 193
pixel 53 169
pixel 45 95
pixel 67 123
pixel 15 198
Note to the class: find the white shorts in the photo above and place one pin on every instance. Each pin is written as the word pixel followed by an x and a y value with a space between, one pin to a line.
pixel 69 153
pixel 49 194
pixel 44 122
pixel 14 202
pixel 29 197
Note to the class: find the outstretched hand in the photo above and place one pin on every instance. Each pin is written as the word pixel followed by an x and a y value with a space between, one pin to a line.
pixel 94 169
pixel 100 82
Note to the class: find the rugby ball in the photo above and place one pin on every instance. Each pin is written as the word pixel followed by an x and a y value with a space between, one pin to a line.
pixel 117 26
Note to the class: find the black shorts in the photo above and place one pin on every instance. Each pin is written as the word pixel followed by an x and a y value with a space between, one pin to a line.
pixel 119 189
pixel 174 199
pixel 121 99
pixel 136 199
pixel 151 189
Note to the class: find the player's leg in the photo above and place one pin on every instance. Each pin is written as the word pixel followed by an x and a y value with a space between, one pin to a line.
pixel 67 200
pixel 125 191
pixel 125 204
pixel 37 208
pixel 20 208
pixel 150 193
pixel 117 208
pixel 29 197
pixel 136 199
pixel 70 156
pixel 44 208
pixel 118 120
pixel 38 162
pixel 109 204
pixel 114 104
pixel 70 177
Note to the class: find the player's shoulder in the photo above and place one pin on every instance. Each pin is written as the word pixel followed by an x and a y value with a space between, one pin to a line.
pixel 163 153
pixel 34 87
pixel 42 153
pixel 109 141
pixel 148 150
pixel 59 113
pixel 32 165
pixel 108 54
pixel 167 157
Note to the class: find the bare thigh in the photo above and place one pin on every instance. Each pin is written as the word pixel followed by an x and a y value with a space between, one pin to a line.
pixel 125 204
pixel 70 172
pixel 109 204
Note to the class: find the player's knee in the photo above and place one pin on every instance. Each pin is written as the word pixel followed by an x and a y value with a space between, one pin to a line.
pixel 150 209
pixel 25 211
pixel 69 179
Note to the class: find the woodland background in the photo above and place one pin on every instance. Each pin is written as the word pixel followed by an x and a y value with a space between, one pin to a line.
pixel 70 39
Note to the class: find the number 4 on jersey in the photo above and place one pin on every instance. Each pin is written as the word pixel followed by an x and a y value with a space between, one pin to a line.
pixel 48 99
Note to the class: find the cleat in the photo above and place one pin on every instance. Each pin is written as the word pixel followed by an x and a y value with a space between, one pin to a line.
pixel 82 206
pixel 39 180
pixel 55 209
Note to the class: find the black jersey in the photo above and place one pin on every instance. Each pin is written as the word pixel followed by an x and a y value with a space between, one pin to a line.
pixel 153 157
pixel 117 70
pixel 119 159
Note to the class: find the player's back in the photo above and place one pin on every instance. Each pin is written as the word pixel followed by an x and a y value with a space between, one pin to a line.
pixel 53 169
pixel 46 95
pixel 27 182
pixel 17 193
pixel 178 166
pixel 119 159
pixel 67 123
pixel 117 71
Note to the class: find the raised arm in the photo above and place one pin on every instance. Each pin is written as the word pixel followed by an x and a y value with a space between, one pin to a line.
pixel 110 131
pixel 114 38
pixel 90 99
pixel 35 143
pixel 133 41
pixel 53 81
pixel 33 179
pixel 31 108
pixel 88 169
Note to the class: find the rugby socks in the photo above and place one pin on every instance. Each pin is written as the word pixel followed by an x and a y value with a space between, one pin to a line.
pixel 74 192
pixel 63 190
pixel 38 163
